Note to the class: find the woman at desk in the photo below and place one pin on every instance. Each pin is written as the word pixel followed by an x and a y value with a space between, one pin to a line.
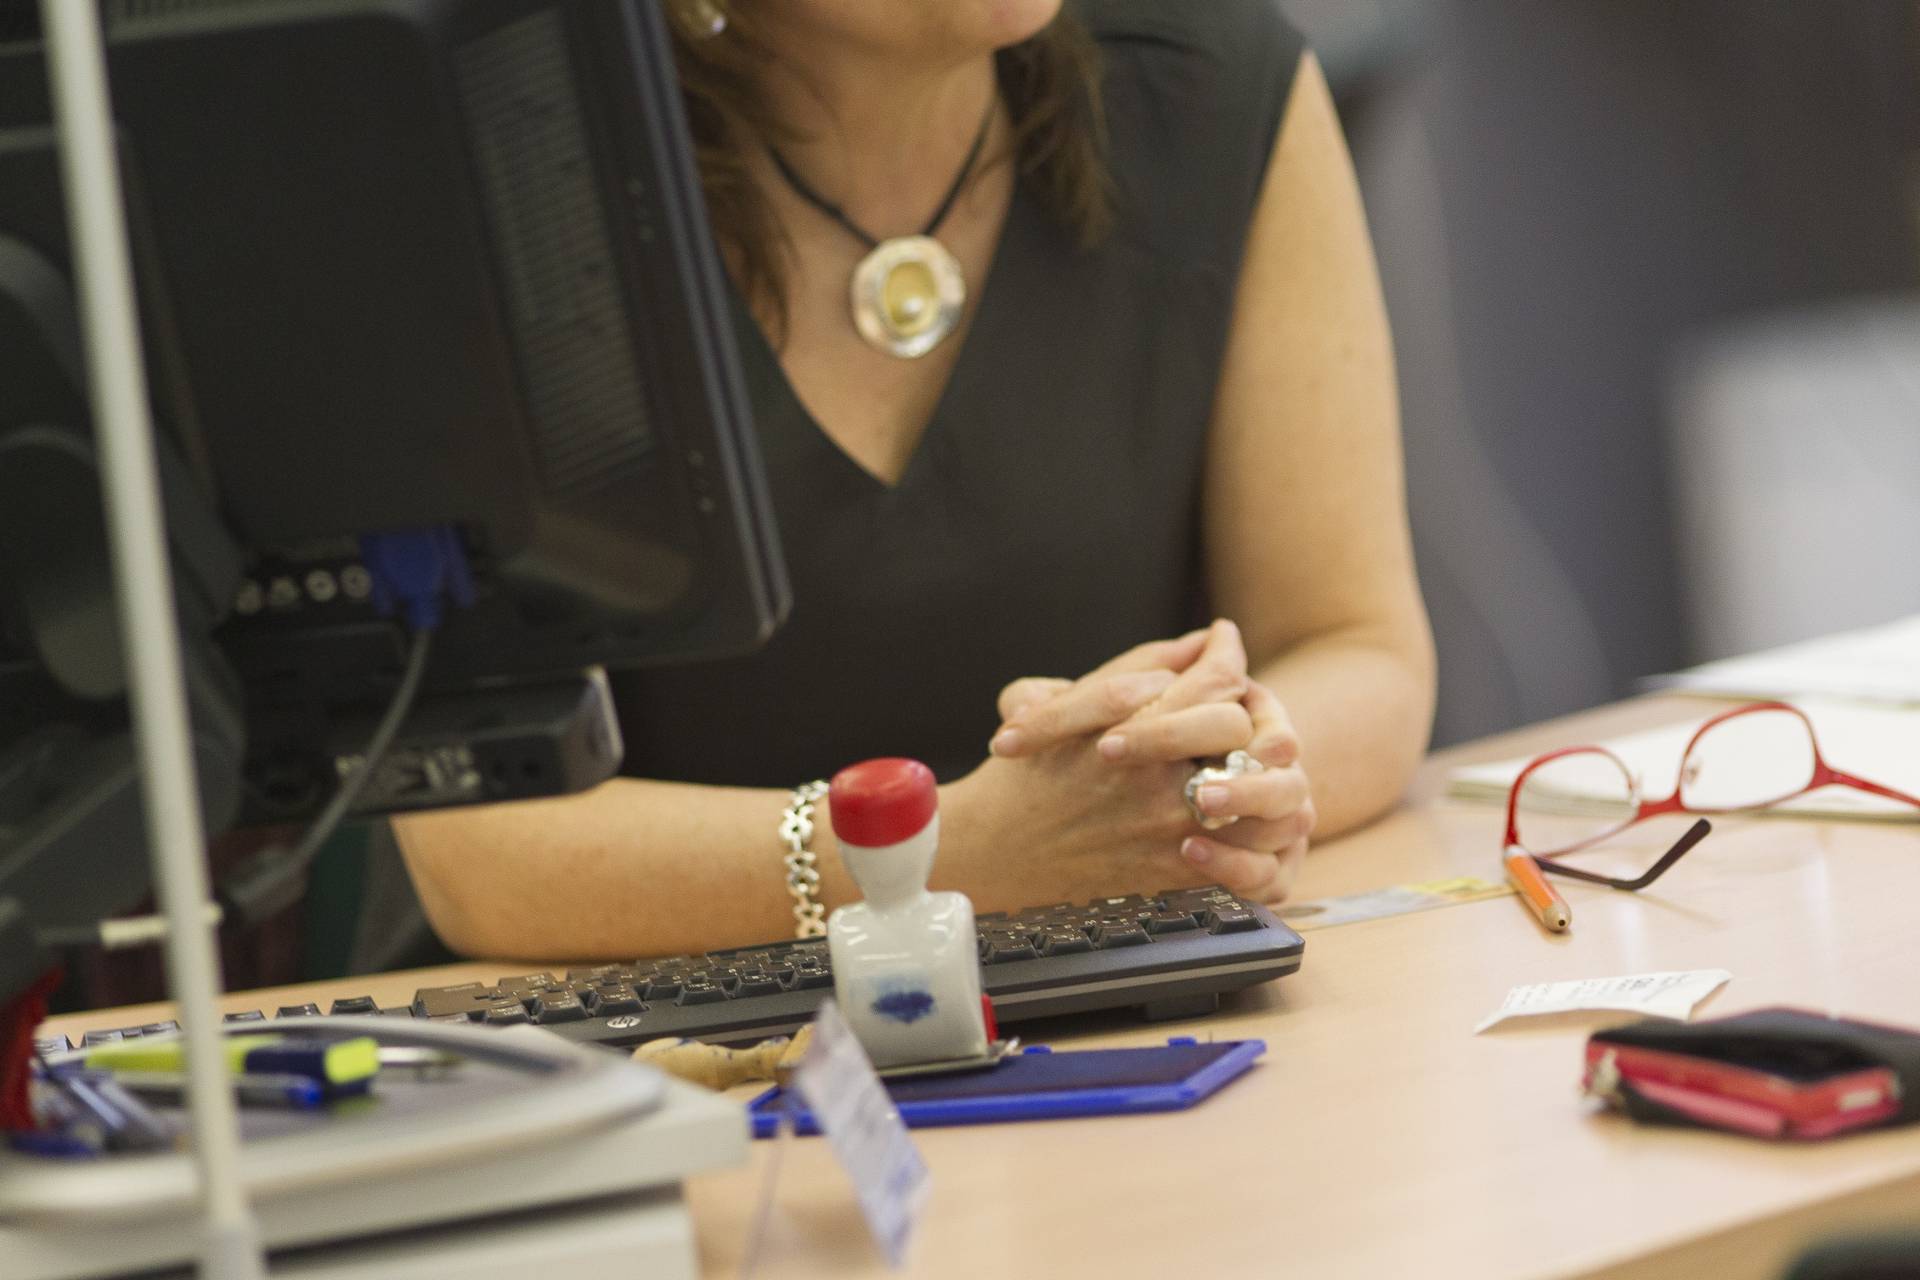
pixel 1063 334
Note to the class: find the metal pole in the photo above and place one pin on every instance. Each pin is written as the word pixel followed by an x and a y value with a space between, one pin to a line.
pixel 149 639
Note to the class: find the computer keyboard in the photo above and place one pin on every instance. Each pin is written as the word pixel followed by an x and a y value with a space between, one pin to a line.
pixel 1171 954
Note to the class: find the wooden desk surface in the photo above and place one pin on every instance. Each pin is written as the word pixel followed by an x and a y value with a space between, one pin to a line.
pixel 1379 1137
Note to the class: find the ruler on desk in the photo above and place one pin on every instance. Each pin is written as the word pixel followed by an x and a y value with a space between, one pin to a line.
pixel 1395 900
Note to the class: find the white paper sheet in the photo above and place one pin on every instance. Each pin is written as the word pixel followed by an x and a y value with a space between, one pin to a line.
pixel 1654 995
pixel 1879 664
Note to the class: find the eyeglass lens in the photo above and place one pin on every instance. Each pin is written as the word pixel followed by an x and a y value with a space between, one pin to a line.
pixel 1755 758
pixel 1573 801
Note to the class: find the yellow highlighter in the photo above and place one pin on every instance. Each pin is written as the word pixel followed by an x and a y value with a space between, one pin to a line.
pixel 334 1064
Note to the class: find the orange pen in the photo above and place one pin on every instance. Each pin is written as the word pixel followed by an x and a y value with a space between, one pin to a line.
pixel 1541 898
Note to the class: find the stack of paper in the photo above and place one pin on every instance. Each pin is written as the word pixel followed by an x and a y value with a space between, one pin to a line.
pixel 1877 743
pixel 1880 664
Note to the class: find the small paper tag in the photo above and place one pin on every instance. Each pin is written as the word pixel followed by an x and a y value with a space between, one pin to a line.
pixel 861 1124
pixel 1657 995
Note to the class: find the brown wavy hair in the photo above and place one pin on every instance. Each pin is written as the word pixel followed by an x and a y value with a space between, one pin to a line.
pixel 1050 83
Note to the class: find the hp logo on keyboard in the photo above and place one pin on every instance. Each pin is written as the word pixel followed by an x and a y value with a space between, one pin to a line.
pixel 622 1023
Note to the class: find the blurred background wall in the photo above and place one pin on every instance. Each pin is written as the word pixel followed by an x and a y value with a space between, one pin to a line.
pixel 1654 276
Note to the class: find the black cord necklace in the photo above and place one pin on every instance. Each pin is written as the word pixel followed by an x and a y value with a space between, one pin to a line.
pixel 908 293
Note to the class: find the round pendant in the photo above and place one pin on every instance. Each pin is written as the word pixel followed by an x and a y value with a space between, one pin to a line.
pixel 907 295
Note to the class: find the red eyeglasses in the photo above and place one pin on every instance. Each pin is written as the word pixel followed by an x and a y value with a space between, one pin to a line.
pixel 1752 757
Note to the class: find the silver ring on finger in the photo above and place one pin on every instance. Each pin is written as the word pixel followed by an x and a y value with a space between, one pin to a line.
pixel 1238 764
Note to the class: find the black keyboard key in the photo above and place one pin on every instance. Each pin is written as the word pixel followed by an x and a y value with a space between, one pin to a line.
pixel 511 1013
pixel 557 1005
pixel 308 1010
pixel 663 987
pixel 468 999
pixel 1064 940
pixel 700 990
pixel 1234 920
pixel 354 1004
pixel 1169 922
pixel 526 981
pixel 1201 902
pixel 756 982
pixel 1018 948
pixel 609 1002
pixel 1197 899
pixel 603 974
pixel 246 1015
pixel 524 986
pixel 1124 934
pixel 810 977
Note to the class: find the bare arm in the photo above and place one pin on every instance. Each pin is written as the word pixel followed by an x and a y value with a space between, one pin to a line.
pixel 630 868
pixel 1305 514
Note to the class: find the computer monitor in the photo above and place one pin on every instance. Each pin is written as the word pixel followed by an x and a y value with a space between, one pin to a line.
pixel 414 277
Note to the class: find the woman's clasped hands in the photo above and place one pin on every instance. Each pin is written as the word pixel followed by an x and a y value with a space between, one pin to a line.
pixel 1086 785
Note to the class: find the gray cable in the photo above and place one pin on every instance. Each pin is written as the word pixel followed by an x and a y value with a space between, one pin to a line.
pixel 350 788
pixel 269 881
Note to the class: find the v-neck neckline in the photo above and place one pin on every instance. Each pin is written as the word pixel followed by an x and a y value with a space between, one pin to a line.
pixel 986 305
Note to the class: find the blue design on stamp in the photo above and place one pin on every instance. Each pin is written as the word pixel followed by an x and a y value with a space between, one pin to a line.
pixel 904 1006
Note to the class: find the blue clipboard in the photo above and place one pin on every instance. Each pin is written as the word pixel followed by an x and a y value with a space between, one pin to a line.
pixel 1039 1084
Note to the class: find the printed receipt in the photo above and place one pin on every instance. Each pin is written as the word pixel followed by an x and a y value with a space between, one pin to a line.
pixel 1657 995
pixel 864 1129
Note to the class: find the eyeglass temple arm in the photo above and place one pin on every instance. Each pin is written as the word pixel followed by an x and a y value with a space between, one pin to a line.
pixel 1873 788
pixel 1693 836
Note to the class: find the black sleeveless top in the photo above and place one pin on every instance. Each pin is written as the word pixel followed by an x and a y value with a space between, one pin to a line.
pixel 1048 518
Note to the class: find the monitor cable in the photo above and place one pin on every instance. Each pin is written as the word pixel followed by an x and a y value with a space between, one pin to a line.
pixel 271 880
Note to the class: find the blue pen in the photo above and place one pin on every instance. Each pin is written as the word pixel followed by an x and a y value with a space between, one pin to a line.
pixel 254 1089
